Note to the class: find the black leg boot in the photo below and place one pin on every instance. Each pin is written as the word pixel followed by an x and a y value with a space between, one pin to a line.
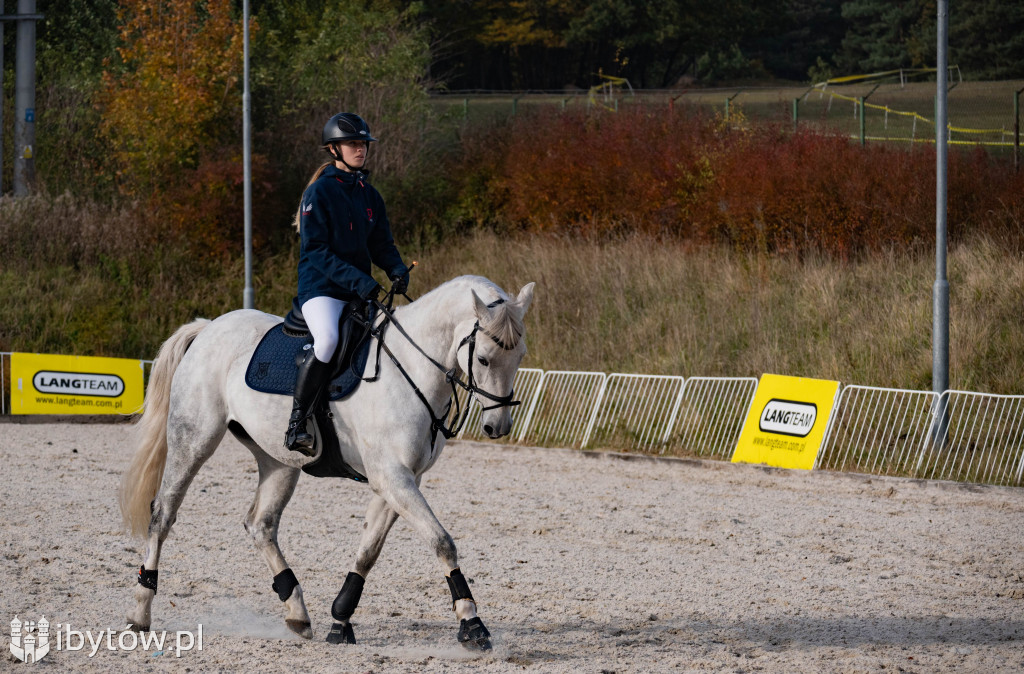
pixel 310 379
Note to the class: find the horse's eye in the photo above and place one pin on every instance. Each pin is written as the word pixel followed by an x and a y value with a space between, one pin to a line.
pixel 482 361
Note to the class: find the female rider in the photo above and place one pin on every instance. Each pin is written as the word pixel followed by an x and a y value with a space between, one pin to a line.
pixel 344 227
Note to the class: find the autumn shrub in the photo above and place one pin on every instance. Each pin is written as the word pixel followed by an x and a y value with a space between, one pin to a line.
pixel 758 187
pixel 169 113
pixel 597 173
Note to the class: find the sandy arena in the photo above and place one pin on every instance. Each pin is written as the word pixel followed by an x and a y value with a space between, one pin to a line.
pixel 580 562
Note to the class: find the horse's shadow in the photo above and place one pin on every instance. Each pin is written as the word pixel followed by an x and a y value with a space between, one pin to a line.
pixel 770 633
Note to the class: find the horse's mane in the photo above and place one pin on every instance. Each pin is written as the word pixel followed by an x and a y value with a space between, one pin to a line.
pixel 505 324
pixel 505 320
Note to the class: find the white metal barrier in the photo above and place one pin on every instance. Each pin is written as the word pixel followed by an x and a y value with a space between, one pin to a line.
pixel 564 408
pixel 708 416
pixel 634 411
pixel 877 430
pixel 975 437
pixel 960 435
pixel 5 360
pixel 526 386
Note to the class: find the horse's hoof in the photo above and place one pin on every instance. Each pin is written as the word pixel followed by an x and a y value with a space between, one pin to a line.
pixel 135 627
pixel 300 627
pixel 473 635
pixel 341 634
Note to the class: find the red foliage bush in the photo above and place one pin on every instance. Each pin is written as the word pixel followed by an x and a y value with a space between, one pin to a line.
pixel 758 186
pixel 206 204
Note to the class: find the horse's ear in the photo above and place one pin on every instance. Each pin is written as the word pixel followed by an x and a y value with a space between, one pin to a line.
pixel 525 296
pixel 480 306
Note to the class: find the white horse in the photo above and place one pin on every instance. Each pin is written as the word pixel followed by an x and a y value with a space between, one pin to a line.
pixel 197 392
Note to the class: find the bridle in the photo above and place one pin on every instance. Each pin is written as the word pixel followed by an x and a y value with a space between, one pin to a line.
pixel 440 424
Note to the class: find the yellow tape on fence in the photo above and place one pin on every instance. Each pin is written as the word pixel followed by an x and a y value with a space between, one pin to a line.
pixel 917 116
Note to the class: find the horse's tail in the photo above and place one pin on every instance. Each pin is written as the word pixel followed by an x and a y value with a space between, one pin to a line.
pixel 140 482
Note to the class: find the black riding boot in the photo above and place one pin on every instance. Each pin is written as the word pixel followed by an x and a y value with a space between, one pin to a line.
pixel 310 379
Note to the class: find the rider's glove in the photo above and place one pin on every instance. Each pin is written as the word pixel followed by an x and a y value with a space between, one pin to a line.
pixel 399 279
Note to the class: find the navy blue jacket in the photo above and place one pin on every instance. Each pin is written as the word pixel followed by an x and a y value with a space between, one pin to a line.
pixel 344 228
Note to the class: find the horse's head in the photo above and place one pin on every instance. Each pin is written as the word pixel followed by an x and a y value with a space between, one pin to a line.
pixel 491 355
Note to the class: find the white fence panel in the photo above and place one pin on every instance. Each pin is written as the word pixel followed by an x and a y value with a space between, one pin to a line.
pixel 877 430
pixel 563 409
pixel 634 411
pixel 526 386
pixel 975 437
pixel 708 416
pixel 960 435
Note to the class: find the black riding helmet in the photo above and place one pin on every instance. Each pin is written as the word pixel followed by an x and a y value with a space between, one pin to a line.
pixel 346 126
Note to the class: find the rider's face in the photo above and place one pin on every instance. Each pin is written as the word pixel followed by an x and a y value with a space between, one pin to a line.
pixel 353 152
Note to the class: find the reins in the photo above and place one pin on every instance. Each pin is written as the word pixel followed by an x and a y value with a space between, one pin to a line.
pixel 438 423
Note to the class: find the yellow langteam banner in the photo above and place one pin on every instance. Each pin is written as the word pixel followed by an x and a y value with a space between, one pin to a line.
pixel 50 384
pixel 787 421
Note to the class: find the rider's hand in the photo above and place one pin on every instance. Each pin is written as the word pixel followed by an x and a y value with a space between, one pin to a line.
pixel 400 280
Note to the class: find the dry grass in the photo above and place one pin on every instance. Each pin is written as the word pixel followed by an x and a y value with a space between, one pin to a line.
pixel 80 279
pixel 640 305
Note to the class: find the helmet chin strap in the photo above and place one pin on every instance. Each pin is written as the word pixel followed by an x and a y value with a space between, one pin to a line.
pixel 331 150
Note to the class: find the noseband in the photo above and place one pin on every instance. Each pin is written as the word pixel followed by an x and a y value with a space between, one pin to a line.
pixel 438 424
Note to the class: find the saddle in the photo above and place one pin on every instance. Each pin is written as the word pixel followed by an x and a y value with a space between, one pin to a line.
pixel 275 362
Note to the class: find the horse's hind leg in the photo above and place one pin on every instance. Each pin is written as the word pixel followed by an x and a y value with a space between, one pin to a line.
pixel 277 484
pixel 185 456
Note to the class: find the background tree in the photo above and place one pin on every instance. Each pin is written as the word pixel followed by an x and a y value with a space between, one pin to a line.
pixel 986 38
pixel 166 102
pixel 320 58
pixel 171 115
pixel 880 34
pixel 805 30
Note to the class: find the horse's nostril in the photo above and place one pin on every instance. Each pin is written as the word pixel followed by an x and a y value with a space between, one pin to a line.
pixel 488 429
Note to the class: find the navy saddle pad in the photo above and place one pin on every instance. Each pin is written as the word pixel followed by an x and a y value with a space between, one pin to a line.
pixel 273 365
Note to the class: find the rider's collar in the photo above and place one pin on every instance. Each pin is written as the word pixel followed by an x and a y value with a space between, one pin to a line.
pixel 347 177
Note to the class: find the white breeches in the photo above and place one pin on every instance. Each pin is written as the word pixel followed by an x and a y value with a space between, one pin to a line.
pixel 322 315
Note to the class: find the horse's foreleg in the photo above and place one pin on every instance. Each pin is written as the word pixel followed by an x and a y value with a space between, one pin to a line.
pixel 379 520
pixel 403 495
pixel 277 484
